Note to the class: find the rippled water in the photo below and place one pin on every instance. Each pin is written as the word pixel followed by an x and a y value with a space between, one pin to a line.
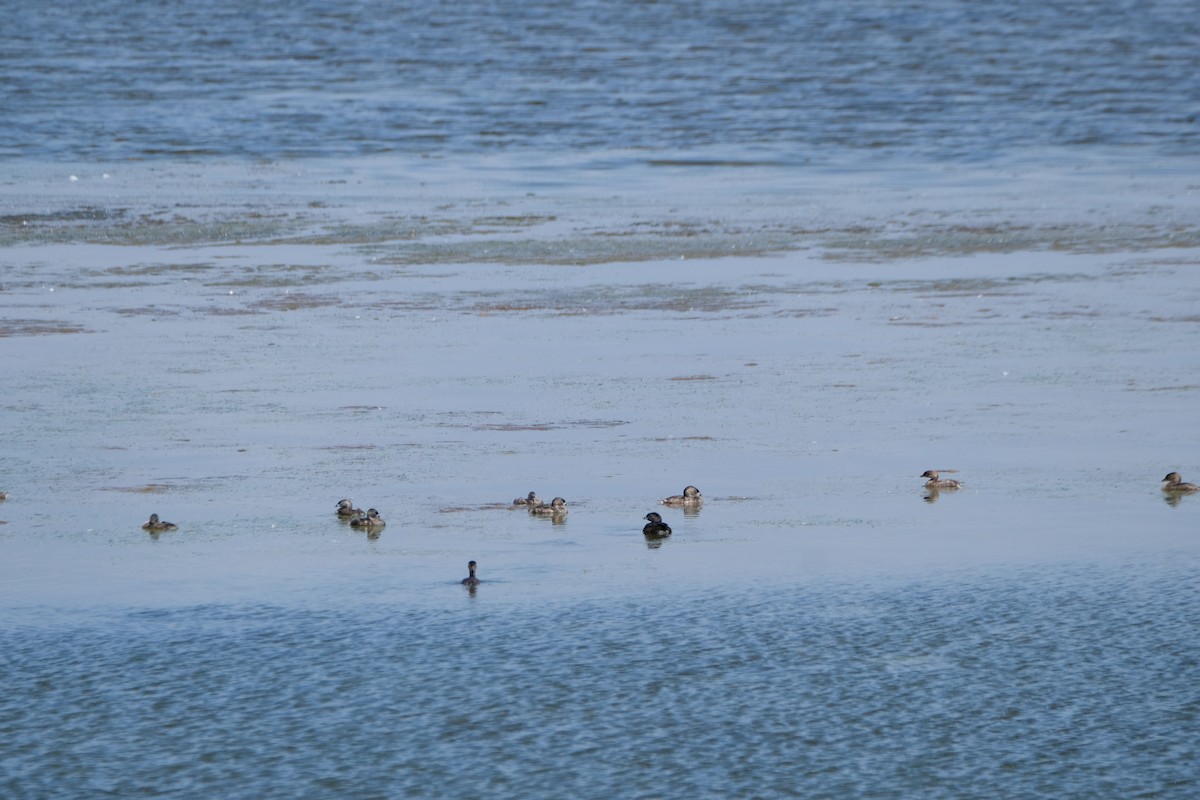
pixel 1030 683
pixel 432 257
pixel 785 80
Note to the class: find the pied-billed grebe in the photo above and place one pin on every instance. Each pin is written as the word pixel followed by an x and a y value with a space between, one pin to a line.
pixel 369 520
pixel 345 508
pixel 470 580
pixel 655 527
pixel 935 483
pixel 556 507
pixel 690 497
pixel 1174 483
pixel 156 524
pixel 530 500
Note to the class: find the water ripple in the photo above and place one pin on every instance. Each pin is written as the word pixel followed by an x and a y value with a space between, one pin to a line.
pixel 1077 683
pixel 759 82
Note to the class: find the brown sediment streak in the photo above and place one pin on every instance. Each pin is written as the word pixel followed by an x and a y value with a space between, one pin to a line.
pixel 33 327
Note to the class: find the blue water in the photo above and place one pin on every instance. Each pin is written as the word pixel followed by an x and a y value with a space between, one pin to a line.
pixel 255 258
pixel 1027 684
pixel 780 81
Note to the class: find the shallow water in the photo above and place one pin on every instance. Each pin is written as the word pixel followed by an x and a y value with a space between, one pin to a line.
pixel 822 626
pixel 434 258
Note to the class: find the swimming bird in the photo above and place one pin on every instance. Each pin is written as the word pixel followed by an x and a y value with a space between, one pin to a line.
pixel 345 508
pixel 530 500
pixel 369 520
pixel 690 497
pixel 470 580
pixel 656 528
pixel 935 483
pixel 156 524
pixel 556 507
pixel 1174 483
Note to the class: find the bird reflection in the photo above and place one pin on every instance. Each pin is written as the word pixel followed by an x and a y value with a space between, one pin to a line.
pixel 1173 499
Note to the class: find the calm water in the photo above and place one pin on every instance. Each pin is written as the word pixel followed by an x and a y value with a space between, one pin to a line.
pixel 434 257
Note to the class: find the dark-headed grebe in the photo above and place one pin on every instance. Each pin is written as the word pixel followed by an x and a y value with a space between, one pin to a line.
pixel 369 520
pixel 656 527
pixel 934 483
pixel 530 500
pixel 345 508
pixel 156 524
pixel 1174 483
pixel 471 580
pixel 556 507
pixel 690 497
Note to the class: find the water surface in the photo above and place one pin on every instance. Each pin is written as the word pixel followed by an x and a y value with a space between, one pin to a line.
pixel 432 258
